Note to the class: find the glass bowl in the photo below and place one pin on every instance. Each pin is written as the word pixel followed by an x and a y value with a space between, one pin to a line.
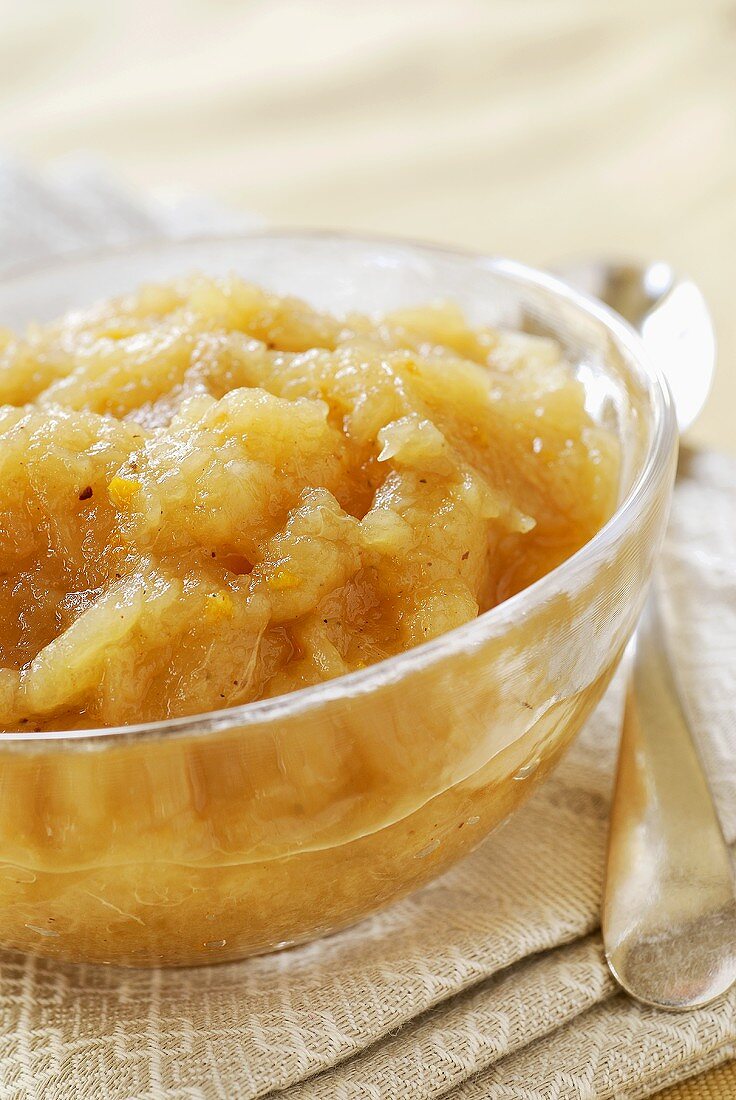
pixel 237 832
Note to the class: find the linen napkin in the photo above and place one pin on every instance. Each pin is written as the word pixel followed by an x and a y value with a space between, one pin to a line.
pixel 490 982
pixel 76 205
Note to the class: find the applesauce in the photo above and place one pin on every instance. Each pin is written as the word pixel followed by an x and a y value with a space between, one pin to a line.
pixel 211 495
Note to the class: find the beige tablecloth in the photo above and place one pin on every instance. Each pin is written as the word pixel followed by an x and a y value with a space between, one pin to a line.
pixel 488 983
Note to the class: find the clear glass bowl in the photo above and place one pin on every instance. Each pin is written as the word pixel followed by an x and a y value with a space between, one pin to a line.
pixel 237 832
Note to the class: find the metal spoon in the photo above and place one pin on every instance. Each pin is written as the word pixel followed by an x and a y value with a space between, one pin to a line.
pixel 669 906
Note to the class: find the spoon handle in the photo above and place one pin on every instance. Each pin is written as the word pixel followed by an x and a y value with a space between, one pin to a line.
pixel 669 908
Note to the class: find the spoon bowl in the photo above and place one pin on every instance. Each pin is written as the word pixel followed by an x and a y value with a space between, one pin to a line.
pixel 672 318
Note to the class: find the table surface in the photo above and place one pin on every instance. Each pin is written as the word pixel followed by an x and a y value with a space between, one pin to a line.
pixel 540 129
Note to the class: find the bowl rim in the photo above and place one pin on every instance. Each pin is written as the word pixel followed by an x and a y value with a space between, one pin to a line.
pixel 662 445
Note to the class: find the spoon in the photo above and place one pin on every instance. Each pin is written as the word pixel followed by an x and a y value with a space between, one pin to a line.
pixel 669 904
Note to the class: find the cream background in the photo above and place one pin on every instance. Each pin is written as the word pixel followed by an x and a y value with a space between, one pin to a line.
pixel 535 128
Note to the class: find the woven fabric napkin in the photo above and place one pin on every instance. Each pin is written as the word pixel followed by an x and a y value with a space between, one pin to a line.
pixel 488 983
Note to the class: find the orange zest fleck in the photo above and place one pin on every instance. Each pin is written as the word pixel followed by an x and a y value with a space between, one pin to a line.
pixel 122 489
pixel 219 606
pixel 282 579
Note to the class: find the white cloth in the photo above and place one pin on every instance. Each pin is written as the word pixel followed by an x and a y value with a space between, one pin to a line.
pixel 76 206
